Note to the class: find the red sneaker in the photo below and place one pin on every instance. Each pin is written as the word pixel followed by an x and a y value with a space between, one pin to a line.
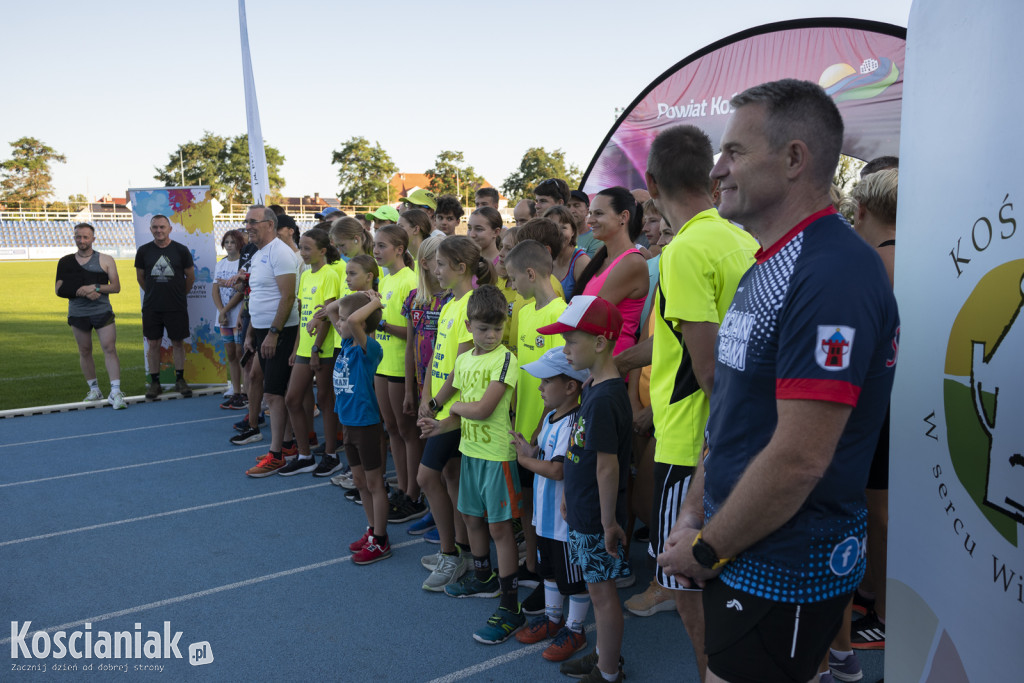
pixel 372 552
pixel 538 630
pixel 356 546
pixel 289 448
pixel 567 643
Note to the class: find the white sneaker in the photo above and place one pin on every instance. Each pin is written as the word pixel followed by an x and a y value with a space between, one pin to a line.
pixel 344 480
pixel 94 395
pixel 449 570
pixel 229 393
pixel 431 561
pixel 116 400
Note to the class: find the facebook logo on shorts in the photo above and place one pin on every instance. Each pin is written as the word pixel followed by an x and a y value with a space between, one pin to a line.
pixel 845 556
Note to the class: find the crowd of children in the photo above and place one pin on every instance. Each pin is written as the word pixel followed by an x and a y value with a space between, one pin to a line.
pixel 494 391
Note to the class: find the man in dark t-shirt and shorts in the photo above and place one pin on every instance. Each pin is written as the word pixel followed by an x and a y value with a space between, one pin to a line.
pixel 166 274
pixel 774 523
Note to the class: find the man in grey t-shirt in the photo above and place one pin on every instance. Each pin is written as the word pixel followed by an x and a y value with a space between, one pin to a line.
pixel 86 279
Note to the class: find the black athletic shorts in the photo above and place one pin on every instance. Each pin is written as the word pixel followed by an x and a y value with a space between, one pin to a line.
pixel 553 564
pixel 89 323
pixel 276 371
pixel 670 485
pixel 440 449
pixel 155 322
pixel 878 476
pixel 749 639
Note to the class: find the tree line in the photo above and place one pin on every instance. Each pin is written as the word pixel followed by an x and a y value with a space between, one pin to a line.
pixel 364 170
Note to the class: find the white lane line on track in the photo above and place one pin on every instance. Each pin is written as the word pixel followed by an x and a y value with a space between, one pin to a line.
pixel 116 431
pixel 128 467
pixel 195 508
pixel 205 593
pixel 491 663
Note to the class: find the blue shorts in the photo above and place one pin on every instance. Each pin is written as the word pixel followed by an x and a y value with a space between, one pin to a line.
pixel 587 552
pixel 489 489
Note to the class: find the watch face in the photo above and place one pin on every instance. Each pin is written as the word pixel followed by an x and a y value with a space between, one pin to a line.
pixel 704 555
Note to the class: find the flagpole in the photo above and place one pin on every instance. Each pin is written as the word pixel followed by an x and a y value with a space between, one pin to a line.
pixel 257 154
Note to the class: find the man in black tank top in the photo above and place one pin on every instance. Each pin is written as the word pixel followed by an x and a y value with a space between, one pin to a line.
pixel 87 278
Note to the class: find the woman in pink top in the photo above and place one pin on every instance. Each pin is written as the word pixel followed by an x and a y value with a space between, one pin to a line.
pixel 618 271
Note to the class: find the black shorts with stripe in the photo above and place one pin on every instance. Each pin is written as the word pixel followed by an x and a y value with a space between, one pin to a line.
pixel 553 563
pixel 749 639
pixel 671 482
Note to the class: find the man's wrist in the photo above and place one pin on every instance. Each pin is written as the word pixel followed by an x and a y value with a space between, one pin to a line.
pixel 274 330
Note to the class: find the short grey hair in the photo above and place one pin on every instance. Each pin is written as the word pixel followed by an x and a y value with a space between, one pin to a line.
pixel 800 110
pixel 268 215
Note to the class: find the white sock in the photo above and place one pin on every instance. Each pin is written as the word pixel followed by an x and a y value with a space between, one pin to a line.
pixel 93 383
pixel 609 677
pixel 579 605
pixel 553 601
pixel 840 655
pixel 305 456
pixel 115 385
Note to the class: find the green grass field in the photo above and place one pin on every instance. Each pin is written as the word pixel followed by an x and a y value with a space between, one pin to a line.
pixel 38 354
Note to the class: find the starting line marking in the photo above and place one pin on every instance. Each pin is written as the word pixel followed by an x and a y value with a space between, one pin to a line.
pixel 168 513
pixel 117 431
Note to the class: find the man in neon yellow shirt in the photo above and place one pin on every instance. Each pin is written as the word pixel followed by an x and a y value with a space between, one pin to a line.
pixel 698 274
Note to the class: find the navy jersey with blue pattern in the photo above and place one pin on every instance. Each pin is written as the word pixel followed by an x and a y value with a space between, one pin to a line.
pixel 813 319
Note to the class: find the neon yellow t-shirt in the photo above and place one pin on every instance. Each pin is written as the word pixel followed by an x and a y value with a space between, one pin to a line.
pixel 339 268
pixel 487 439
pixel 698 274
pixel 531 346
pixel 451 331
pixel 315 289
pixel 510 297
pixel 517 305
pixel 394 289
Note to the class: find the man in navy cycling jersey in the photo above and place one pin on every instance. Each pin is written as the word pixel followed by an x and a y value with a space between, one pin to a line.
pixel 774 523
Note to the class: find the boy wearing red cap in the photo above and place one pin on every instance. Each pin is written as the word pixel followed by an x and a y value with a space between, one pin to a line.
pixel 596 471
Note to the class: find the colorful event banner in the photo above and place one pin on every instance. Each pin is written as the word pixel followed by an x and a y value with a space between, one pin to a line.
pixel 956 498
pixel 859 63
pixel 190 211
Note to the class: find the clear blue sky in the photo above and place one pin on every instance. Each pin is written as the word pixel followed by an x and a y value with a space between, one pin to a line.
pixel 116 85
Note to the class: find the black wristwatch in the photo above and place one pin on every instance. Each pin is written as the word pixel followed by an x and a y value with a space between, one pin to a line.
pixel 274 330
pixel 705 554
pixel 433 405
pixel 314 349
pixel 382 326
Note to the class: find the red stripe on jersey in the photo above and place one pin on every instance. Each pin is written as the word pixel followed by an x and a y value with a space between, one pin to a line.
pixel 832 390
pixel 763 255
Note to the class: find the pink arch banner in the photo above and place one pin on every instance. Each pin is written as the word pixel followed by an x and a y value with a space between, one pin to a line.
pixel 859 63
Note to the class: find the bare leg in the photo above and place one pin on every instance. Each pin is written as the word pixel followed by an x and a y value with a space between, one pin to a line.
pixel 608 615
pixel 452 472
pixel 690 605
pixel 85 361
pixel 299 386
pixel 359 479
pixel 108 340
pixel 153 356
pixel 380 386
pixel 379 501
pixel 408 434
pixel 325 399
pixel 529 532
pixel 432 483
pixel 255 392
pixel 178 349
pixel 505 545
pixel 234 370
pixel 278 418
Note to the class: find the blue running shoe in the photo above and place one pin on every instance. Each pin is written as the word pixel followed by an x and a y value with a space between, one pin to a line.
pixel 432 536
pixel 846 670
pixel 500 627
pixel 422 525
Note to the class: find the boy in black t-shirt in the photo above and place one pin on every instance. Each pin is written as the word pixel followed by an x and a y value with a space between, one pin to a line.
pixel 596 470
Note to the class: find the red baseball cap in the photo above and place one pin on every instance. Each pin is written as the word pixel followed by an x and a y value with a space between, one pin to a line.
pixel 590 314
